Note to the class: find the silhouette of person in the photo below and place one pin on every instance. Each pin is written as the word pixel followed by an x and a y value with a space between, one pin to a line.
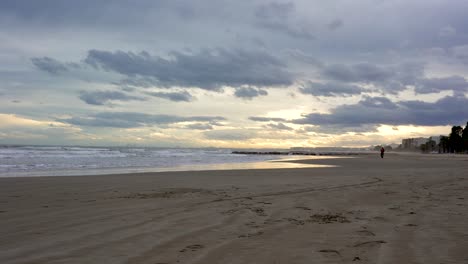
pixel 382 151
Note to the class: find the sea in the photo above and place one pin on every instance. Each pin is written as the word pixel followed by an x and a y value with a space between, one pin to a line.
pixel 24 161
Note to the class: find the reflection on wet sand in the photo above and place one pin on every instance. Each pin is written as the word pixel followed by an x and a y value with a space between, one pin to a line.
pixel 284 163
pixel 277 164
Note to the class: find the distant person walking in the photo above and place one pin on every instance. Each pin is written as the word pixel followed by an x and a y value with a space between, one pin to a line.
pixel 382 151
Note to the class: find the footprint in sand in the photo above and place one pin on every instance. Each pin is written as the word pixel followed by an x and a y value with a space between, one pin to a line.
pixel 253 224
pixel 380 218
pixel 295 221
pixel 396 208
pixel 259 211
pixel 331 254
pixel 303 208
pixel 330 251
pixel 259 233
pixel 230 212
pixel 370 243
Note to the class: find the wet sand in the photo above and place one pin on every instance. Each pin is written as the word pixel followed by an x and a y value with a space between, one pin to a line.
pixel 405 208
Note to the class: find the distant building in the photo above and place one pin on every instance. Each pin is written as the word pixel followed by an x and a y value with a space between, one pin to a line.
pixel 413 143
pixel 394 145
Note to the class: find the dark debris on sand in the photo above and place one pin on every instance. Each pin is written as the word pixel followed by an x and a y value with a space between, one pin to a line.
pixel 328 218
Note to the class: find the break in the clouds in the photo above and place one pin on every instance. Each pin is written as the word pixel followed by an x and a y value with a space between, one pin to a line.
pixel 231 134
pixel 222 72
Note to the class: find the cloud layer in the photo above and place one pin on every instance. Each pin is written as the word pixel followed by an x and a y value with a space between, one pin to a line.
pixel 232 73
pixel 380 110
pixel 249 92
pixel 330 89
pixel 183 96
pixel 209 69
pixel 132 119
pixel 102 97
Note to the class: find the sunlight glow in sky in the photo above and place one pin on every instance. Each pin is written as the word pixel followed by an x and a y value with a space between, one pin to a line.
pixel 224 73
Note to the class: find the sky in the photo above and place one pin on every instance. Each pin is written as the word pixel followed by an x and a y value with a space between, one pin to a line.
pixel 234 74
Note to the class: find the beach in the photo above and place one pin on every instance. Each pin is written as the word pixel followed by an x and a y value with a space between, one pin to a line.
pixel 405 208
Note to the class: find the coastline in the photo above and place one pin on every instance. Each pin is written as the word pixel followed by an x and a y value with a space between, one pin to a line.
pixel 400 209
pixel 286 162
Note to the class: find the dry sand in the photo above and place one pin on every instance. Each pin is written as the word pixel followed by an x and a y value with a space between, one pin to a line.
pixel 402 209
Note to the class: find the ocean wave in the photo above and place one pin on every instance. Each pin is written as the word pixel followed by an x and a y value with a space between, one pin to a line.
pixel 50 159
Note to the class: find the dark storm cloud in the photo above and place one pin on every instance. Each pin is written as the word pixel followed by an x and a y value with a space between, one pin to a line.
pixel 301 56
pixel 249 92
pixel 362 72
pixel 208 69
pixel 279 126
pixel 330 89
pixel 380 110
pixel 266 119
pixel 49 65
pixel 378 103
pixel 434 85
pixel 280 17
pixel 132 119
pixel 173 96
pixel 391 79
pixel 102 97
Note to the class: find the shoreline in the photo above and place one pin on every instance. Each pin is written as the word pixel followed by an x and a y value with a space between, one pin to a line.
pixel 400 209
pixel 286 162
